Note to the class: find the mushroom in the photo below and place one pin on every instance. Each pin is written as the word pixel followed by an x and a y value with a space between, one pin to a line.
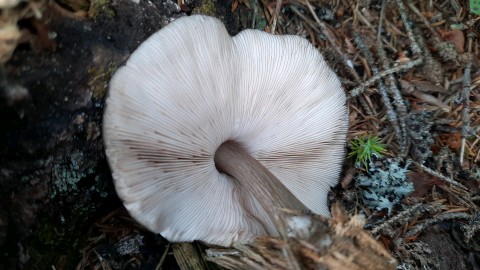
pixel 205 133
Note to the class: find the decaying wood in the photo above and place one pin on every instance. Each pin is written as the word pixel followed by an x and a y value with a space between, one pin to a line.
pixel 336 243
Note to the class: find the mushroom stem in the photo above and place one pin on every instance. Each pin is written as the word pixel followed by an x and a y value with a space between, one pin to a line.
pixel 232 159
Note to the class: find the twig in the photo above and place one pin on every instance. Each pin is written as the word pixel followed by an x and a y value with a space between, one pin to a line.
pixel 163 257
pixel 278 5
pixel 400 68
pixel 455 5
pixel 404 217
pixel 471 228
pixel 380 21
pixel 397 99
pixel 467 81
pixel 432 69
pixel 391 114
pixel 406 23
pixel 427 24
pixel 442 177
pixel 441 217
pixel 333 44
pixel 255 12
pixel 365 107
pixel 445 50
pixel 460 197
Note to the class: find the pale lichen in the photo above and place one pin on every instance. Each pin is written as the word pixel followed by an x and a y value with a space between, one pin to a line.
pixel 66 175
pixel 384 188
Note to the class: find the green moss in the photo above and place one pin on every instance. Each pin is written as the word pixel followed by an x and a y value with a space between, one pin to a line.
pixel 208 7
pixel 60 234
pixel 100 7
pixel 98 79
pixel 261 22
pixel 57 237
pixel 47 234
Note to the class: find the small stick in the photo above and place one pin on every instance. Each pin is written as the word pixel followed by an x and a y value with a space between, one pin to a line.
pixel 441 217
pixel 400 68
pixel 331 40
pixel 391 114
pixel 472 227
pixel 424 20
pixel 441 176
pixel 278 5
pixel 467 81
pixel 380 21
pixel 406 23
pixel 397 99
pixel 255 11
pixel 403 217
pixel 455 5
pixel 433 70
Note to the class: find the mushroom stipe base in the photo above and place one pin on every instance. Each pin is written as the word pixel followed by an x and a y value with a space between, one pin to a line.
pixel 232 159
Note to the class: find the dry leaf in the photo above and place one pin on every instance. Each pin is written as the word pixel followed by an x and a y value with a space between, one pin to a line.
pixel 412 89
pixel 454 37
pixel 402 58
pixel 350 48
pixel 428 87
pixel 423 183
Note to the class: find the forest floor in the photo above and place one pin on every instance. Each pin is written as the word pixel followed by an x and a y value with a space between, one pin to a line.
pixel 411 71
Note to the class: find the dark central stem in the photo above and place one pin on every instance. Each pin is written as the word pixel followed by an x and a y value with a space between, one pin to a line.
pixel 233 160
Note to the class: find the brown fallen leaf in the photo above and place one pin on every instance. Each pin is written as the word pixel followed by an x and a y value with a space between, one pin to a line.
pixel 428 87
pixel 422 183
pixel 411 89
pixel 454 37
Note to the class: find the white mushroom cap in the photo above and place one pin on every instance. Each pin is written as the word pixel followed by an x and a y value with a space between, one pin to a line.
pixel 189 88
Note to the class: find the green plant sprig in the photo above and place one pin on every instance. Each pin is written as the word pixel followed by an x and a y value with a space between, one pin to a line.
pixel 363 148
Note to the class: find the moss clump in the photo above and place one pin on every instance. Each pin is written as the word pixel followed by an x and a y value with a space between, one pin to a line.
pixel 48 235
pixel 100 7
pixel 261 22
pixel 208 7
pixel 59 237
pixel 98 79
